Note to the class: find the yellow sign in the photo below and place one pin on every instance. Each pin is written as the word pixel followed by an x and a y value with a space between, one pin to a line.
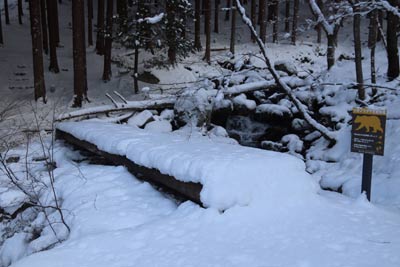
pixel 368 131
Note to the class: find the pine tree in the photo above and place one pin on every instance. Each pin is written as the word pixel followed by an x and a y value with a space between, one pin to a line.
pixel 174 27
pixel 108 37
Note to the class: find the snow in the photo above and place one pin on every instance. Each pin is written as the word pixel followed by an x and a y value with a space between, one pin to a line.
pixel 243 101
pixel 274 109
pixel 159 126
pixel 224 170
pixel 119 221
pixel 141 118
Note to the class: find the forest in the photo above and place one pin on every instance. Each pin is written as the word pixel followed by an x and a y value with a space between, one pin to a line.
pixel 199 133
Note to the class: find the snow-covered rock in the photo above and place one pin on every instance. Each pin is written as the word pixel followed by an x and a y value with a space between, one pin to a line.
pixel 141 118
pixel 162 126
pixel 273 113
pixel 285 66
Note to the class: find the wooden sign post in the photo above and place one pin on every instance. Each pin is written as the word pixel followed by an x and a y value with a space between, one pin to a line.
pixel 368 137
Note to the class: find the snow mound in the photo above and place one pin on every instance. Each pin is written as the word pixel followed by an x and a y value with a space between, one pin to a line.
pixel 230 174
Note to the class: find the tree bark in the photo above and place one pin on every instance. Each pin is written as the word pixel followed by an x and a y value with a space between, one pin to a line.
pixel 37 50
pixel 372 39
pixel 122 14
pixel 216 16
pixel 1 32
pixel 44 26
pixel 6 13
pixel 197 23
pixel 233 28
pixel 275 18
pixel 227 13
pixel 51 6
pixel 318 27
pixel 330 54
pixel 100 28
pixel 79 51
pixel 253 16
pixel 20 11
pixel 108 41
pixel 391 40
pixel 295 20
pixel 357 49
pixel 171 34
pixel 136 70
pixel 262 21
pixel 207 22
pixel 89 19
pixel 287 16
pixel 57 27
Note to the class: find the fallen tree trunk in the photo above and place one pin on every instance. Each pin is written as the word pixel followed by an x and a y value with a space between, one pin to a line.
pixel 164 103
pixel 186 190
pixel 282 85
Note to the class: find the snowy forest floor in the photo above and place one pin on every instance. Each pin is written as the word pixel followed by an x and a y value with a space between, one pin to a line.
pixel 117 220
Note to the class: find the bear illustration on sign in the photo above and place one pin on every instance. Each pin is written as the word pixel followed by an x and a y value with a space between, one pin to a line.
pixel 368 123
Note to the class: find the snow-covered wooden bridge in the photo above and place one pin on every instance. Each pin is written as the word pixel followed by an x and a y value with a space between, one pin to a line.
pixel 210 170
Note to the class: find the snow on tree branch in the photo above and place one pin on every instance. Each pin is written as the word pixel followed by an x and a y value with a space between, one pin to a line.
pixel 283 86
pixel 321 18
pixel 383 4
pixel 152 20
pixel 130 105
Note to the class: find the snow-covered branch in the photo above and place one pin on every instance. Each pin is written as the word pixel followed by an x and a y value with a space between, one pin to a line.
pixel 167 102
pixel 282 85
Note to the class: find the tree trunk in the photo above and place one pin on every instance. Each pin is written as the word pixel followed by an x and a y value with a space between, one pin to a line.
pixel 52 35
pixel 233 28
pixel 216 16
pixel 261 11
pixel 253 17
pixel 44 26
pixel 295 20
pixel 89 19
pixel 287 16
pixel 357 49
pixel 207 22
pixel 275 18
pixel 391 39
pixel 372 39
pixel 330 54
pixel 108 41
pixel 262 21
pixel 197 23
pixel 227 13
pixel 171 34
pixel 6 13
pixel 57 27
pixel 100 28
pixel 318 27
pixel 20 11
pixel 1 32
pixel 122 14
pixel 79 51
pixel 136 70
pixel 37 50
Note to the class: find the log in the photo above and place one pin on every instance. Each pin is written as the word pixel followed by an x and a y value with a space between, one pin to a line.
pixel 186 190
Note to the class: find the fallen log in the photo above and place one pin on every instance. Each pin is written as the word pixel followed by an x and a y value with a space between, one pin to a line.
pixel 185 190
pixel 164 103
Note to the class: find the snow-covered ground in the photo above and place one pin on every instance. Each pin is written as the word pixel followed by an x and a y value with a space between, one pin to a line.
pixel 274 213
pixel 117 220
